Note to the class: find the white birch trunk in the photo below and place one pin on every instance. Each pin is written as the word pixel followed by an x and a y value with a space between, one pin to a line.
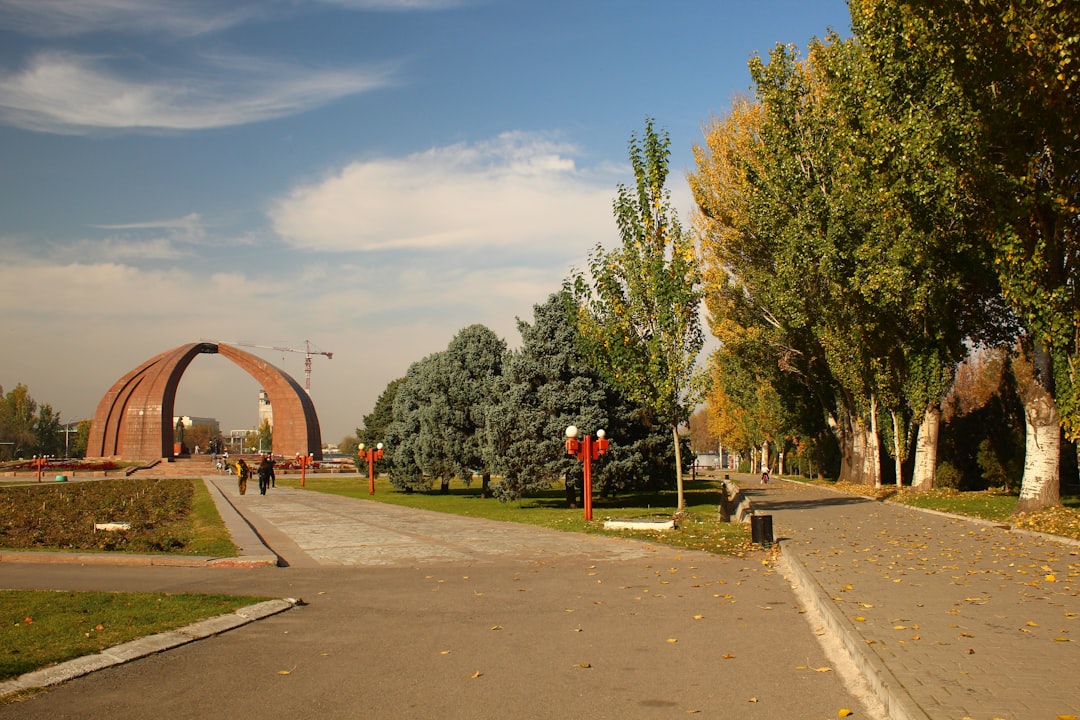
pixel 1041 486
pixel 926 444
pixel 896 452
pixel 678 469
pixel 874 444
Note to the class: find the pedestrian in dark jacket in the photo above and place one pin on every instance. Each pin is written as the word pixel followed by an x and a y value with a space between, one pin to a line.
pixel 266 473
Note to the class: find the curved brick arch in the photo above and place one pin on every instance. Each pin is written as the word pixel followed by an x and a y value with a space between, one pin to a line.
pixel 134 419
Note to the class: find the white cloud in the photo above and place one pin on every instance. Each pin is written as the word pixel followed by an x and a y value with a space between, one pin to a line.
pixel 68 93
pixel 518 190
pixel 178 18
pixel 184 18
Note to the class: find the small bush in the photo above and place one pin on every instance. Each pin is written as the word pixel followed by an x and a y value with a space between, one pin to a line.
pixel 948 476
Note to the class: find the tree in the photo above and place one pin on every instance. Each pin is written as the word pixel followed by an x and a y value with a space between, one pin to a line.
pixel 472 365
pixel 440 412
pixel 261 439
pixel 639 322
pixel 1012 70
pixel 546 386
pixel 375 424
pixel 47 429
pixel 17 420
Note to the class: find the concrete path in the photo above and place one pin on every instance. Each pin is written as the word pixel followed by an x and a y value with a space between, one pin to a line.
pixel 950 618
pixel 409 614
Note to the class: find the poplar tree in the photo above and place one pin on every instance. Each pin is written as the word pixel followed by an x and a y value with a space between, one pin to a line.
pixel 640 317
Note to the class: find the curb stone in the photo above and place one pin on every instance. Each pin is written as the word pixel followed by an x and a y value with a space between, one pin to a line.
pixel 142 647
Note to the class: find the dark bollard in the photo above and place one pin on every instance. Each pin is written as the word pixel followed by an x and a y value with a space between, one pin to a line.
pixel 761 529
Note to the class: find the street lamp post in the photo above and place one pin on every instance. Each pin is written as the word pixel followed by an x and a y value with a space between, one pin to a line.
pixel 39 463
pixel 586 449
pixel 372 455
pixel 304 461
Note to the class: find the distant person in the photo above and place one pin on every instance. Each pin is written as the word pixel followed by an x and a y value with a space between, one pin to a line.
pixel 243 472
pixel 266 470
pixel 273 476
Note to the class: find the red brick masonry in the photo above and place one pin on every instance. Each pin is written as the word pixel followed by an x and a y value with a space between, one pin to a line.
pixel 134 419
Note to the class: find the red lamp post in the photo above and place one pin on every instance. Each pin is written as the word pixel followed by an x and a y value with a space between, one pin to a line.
pixel 372 455
pixel 39 464
pixel 304 461
pixel 586 450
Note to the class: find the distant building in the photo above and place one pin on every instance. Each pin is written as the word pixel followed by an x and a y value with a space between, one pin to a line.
pixel 265 411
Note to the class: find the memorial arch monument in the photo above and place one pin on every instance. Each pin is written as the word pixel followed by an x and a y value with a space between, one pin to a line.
pixel 134 419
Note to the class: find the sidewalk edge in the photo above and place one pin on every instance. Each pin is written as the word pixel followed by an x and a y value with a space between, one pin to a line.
pixel 897 701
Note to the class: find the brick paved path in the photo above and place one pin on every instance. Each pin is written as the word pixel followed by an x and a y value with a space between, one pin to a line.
pixel 963 619
pixel 411 614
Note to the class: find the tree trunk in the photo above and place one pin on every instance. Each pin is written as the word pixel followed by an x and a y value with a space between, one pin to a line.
pixel 444 487
pixel 896 451
pixel 926 444
pixel 678 469
pixel 857 469
pixel 846 439
pixel 485 486
pixel 874 445
pixel 571 493
pixel 780 454
pixel 1041 485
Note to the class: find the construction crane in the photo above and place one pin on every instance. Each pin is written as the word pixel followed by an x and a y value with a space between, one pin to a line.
pixel 308 352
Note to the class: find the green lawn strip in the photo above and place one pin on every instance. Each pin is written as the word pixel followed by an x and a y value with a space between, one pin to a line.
pixel 209 535
pixel 169 516
pixel 39 628
pixel 986 504
pixel 698 530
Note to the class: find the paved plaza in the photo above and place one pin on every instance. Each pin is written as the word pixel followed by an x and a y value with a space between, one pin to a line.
pixel 411 614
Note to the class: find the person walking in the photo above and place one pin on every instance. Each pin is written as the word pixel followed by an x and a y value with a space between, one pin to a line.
pixel 243 472
pixel 266 471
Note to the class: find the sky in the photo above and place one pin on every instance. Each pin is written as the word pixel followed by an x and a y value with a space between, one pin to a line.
pixel 365 176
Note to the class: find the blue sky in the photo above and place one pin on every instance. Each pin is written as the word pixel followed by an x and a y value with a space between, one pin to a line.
pixel 371 176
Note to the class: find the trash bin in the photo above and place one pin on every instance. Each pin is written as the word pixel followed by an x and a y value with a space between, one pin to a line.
pixel 761 529
pixel 61 478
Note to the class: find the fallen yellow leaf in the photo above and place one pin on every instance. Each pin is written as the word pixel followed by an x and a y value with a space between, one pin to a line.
pixel 476 674
pixel 699 617
pixel 753 699
pixel 496 627
pixel 584 665
pixel 843 712
pixel 672 640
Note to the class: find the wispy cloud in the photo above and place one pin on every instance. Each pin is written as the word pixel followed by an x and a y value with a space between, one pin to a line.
pixel 517 190
pixel 72 94
pixel 175 18
pixel 181 18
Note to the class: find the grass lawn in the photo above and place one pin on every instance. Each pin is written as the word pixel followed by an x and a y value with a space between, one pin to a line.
pixel 699 530
pixel 40 628
pixel 993 505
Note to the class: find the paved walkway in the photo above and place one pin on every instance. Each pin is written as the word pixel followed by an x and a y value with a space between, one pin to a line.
pixel 415 614
pixel 950 618
pixel 409 614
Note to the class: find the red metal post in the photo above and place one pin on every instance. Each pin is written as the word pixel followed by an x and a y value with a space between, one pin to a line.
pixel 586 450
pixel 39 463
pixel 305 460
pixel 372 455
